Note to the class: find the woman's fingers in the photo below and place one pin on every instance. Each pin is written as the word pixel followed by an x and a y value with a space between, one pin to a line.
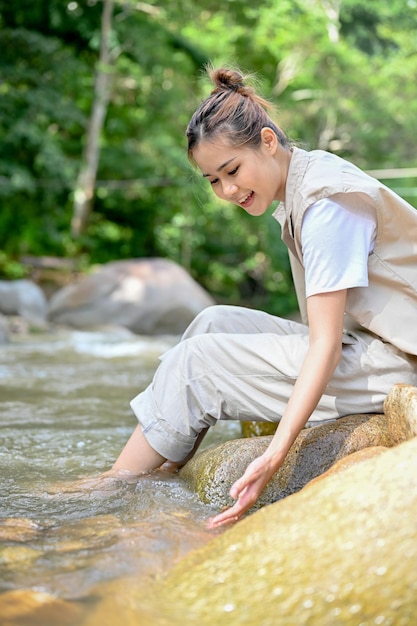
pixel 246 490
pixel 229 516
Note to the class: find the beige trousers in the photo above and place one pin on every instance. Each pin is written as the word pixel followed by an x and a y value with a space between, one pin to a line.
pixel 241 364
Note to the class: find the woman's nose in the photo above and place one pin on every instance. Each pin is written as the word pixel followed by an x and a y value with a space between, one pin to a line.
pixel 229 189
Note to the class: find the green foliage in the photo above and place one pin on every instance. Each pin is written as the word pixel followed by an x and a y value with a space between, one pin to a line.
pixel 342 75
pixel 11 269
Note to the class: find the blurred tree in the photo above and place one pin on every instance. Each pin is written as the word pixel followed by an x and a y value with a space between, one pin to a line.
pixel 341 72
pixel 86 181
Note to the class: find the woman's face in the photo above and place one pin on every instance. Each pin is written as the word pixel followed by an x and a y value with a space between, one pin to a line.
pixel 251 178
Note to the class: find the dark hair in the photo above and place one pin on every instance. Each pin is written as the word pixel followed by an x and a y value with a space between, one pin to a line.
pixel 233 109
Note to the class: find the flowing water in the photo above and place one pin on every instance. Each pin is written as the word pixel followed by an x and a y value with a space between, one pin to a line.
pixel 64 417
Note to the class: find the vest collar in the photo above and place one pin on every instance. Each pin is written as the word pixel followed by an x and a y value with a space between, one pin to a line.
pixel 283 213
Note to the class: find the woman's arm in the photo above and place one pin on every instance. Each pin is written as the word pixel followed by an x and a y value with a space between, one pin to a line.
pixel 326 315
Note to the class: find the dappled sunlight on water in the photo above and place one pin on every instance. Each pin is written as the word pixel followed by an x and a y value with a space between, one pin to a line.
pixel 64 417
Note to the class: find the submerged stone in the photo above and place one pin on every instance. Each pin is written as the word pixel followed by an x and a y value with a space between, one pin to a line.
pixel 18 529
pixel 25 607
pixel 10 556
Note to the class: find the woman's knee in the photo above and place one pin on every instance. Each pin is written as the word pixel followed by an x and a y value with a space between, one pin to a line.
pixel 213 319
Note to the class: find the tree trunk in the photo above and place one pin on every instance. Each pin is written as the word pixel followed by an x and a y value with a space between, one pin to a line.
pixel 84 189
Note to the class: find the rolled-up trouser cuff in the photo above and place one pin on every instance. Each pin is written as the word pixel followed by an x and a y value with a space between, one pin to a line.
pixel 160 435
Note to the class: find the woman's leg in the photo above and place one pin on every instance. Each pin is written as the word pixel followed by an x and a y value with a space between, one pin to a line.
pixel 216 375
pixel 138 457
pixel 240 320
pixel 249 375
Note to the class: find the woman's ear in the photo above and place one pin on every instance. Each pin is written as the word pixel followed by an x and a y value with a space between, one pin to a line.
pixel 269 139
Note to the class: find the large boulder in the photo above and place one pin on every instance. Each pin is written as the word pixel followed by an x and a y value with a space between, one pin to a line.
pixel 212 472
pixel 148 296
pixel 343 551
pixel 24 298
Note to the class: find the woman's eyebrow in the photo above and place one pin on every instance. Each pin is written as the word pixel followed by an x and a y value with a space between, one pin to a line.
pixel 222 166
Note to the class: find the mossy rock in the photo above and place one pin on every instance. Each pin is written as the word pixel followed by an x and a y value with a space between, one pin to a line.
pixel 212 472
pixel 258 429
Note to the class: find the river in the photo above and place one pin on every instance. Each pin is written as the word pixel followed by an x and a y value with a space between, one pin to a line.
pixel 64 417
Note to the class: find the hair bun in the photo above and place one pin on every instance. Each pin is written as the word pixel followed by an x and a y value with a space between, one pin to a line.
pixel 227 80
pixel 233 111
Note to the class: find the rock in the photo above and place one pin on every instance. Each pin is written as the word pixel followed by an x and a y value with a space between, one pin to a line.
pixel 400 407
pixel 24 607
pixel 18 529
pixel 147 296
pixel 343 551
pixel 24 298
pixel 4 329
pixel 10 556
pixel 258 429
pixel 212 472
pixel 349 461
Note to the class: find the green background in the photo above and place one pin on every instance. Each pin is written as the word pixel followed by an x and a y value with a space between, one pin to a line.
pixel 341 73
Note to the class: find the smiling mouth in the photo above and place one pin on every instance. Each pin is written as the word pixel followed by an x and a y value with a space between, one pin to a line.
pixel 247 200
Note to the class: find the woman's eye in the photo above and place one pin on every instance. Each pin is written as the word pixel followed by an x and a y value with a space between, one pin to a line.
pixel 233 172
pixel 214 181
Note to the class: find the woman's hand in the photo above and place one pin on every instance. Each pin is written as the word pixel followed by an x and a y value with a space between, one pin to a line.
pixel 246 490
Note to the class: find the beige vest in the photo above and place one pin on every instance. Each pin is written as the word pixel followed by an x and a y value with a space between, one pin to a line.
pixel 388 306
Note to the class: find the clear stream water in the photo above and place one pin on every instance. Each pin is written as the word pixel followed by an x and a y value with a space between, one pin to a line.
pixel 64 416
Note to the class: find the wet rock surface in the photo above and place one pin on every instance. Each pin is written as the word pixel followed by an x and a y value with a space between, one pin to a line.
pixel 19 529
pixel 212 472
pixel 26 607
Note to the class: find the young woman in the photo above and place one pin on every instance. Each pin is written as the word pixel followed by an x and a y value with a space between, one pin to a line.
pixel 353 250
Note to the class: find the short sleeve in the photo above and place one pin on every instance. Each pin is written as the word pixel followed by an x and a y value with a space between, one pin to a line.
pixel 336 243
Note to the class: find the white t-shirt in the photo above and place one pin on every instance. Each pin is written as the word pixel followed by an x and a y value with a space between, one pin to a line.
pixel 336 243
